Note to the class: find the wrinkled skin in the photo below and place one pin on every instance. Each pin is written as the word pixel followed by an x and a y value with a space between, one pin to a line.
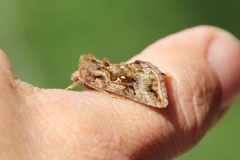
pixel 204 75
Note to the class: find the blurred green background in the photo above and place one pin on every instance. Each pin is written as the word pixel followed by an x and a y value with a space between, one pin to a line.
pixel 43 39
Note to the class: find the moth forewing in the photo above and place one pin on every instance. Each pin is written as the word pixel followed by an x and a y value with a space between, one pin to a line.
pixel 156 93
pixel 161 91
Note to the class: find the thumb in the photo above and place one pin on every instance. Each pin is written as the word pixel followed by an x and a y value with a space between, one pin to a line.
pixel 222 51
pixel 203 64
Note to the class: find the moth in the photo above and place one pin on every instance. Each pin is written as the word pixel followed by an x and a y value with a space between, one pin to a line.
pixel 140 81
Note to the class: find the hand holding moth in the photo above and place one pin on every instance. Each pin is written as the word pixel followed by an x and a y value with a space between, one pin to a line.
pixel 37 123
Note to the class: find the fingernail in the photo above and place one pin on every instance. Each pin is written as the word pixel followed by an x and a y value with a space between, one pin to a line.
pixel 224 56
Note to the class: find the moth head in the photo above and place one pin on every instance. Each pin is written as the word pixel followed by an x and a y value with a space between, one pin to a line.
pixel 75 76
pixel 75 79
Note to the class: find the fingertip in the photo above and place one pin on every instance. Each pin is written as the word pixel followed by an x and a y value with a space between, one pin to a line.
pixel 224 57
pixel 5 64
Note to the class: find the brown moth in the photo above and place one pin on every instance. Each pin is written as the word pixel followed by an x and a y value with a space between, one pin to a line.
pixel 140 80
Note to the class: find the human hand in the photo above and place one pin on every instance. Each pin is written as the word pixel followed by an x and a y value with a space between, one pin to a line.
pixel 203 63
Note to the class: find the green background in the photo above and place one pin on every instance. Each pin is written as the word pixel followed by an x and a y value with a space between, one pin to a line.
pixel 43 39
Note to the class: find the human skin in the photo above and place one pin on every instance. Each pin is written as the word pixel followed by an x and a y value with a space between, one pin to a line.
pixel 204 75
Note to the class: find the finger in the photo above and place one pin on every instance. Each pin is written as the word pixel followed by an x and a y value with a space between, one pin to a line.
pixel 195 93
pixel 203 63
pixel 5 65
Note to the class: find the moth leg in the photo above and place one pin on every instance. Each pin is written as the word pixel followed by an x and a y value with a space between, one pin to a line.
pixel 72 85
pixel 104 91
